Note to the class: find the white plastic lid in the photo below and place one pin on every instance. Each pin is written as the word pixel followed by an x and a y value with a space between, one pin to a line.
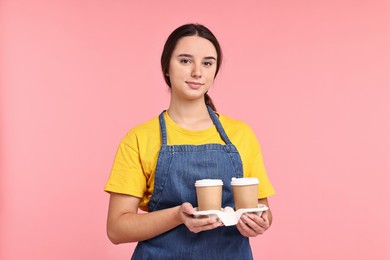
pixel 244 181
pixel 208 182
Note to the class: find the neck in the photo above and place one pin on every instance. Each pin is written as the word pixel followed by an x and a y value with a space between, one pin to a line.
pixel 191 115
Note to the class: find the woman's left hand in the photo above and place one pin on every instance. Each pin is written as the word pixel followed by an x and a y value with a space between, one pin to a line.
pixel 251 225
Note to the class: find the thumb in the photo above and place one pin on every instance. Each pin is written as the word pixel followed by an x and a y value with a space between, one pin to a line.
pixel 264 215
pixel 187 208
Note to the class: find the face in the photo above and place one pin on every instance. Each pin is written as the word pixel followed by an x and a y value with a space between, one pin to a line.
pixel 192 68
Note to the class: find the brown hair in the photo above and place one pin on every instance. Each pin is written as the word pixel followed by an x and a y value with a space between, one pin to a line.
pixel 183 31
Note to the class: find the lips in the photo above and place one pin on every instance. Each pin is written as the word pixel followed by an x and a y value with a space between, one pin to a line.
pixel 194 85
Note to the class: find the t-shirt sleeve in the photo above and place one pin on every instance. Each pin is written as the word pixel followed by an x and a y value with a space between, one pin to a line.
pixel 265 187
pixel 127 176
pixel 255 167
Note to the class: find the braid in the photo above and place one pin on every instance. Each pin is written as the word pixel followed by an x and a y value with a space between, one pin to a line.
pixel 209 102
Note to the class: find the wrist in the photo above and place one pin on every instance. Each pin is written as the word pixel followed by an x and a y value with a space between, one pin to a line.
pixel 178 215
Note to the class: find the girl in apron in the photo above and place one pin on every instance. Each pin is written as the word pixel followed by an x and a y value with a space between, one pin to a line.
pixel 158 163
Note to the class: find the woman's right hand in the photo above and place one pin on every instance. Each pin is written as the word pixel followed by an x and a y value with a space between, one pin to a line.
pixel 196 225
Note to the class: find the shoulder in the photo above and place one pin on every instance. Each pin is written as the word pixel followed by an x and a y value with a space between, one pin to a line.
pixel 144 131
pixel 234 125
pixel 148 126
pixel 239 132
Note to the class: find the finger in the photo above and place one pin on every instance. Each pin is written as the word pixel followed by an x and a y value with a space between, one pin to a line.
pixel 211 226
pixel 241 229
pixel 199 221
pixel 251 226
pixel 262 222
pixel 255 223
pixel 203 221
pixel 244 229
pixel 197 225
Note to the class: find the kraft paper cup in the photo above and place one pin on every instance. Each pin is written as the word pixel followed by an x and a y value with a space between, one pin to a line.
pixel 209 194
pixel 245 192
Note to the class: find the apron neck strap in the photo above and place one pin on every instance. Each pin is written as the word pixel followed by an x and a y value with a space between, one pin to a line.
pixel 218 125
pixel 163 128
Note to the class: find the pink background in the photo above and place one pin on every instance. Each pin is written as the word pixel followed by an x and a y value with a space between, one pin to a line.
pixel 310 77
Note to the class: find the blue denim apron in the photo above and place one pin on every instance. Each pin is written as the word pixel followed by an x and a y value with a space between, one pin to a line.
pixel 178 167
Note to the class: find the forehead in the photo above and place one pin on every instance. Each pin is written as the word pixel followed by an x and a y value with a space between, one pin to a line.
pixel 196 46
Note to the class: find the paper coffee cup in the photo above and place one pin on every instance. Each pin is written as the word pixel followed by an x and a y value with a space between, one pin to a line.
pixel 209 194
pixel 245 192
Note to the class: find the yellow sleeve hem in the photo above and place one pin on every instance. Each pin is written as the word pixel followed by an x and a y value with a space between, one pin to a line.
pixel 265 194
pixel 114 189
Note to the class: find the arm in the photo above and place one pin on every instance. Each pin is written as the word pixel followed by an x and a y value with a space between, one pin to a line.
pixel 251 225
pixel 124 224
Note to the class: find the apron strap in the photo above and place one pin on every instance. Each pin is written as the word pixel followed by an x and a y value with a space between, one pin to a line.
pixel 163 128
pixel 218 125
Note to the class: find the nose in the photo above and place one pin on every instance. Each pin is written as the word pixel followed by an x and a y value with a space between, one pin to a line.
pixel 196 71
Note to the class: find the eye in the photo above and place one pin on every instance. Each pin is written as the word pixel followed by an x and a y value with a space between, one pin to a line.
pixel 185 61
pixel 208 63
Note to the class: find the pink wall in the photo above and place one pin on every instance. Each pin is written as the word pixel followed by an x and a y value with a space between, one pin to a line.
pixel 310 77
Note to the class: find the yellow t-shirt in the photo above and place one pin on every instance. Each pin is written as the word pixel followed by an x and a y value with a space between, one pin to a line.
pixel 135 162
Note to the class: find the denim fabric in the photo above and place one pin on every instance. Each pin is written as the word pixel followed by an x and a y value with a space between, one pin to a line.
pixel 178 167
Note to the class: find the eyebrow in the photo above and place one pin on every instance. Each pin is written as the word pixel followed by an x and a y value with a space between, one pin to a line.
pixel 190 56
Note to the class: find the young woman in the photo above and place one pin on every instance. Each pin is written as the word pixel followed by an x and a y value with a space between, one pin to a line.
pixel 158 162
